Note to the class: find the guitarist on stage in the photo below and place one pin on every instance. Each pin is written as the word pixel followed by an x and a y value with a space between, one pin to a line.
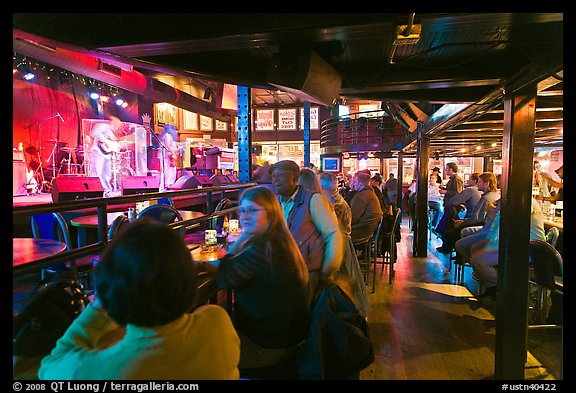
pixel 105 141
pixel 169 137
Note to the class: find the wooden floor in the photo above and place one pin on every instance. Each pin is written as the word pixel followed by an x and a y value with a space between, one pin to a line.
pixel 425 327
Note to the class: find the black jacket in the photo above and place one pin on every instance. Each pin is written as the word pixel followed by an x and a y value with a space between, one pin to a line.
pixel 338 345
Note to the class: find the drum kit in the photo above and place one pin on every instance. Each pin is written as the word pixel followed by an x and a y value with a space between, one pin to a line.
pixel 41 181
pixel 120 167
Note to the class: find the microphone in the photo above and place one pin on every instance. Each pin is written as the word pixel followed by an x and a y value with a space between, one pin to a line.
pixel 58 114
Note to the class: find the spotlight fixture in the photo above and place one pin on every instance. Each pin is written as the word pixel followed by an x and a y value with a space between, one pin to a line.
pixel 207 93
pixel 93 93
pixel 25 71
pixel 119 101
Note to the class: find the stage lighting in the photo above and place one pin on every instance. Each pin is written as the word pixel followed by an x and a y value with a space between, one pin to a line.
pixel 93 93
pixel 26 72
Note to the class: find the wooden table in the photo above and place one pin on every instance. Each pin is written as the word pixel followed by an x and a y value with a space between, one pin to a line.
pixel 26 250
pixel 549 223
pixel 83 223
pixel 208 287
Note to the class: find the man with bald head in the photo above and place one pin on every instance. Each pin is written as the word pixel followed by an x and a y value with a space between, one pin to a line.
pixel 366 210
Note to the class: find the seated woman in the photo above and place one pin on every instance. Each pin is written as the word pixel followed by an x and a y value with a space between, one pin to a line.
pixel 484 254
pixel 144 282
pixel 269 277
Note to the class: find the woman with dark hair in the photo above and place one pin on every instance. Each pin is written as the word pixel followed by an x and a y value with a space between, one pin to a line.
pixel 267 272
pixel 145 282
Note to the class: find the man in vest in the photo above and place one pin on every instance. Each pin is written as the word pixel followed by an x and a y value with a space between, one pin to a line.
pixel 312 222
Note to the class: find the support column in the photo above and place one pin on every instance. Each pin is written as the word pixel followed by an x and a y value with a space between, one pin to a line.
pixel 400 176
pixel 307 133
pixel 488 164
pixel 420 244
pixel 244 135
pixel 512 307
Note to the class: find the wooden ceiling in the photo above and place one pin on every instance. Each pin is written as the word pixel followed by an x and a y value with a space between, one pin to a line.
pixel 429 60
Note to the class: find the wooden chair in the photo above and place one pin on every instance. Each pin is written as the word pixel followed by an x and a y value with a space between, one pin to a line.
pixel 389 253
pixel 546 274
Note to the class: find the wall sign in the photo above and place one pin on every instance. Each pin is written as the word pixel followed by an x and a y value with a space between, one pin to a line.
pixel 190 120
pixel 264 119
pixel 205 123
pixel 221 125
pixel 286 119
pixel 313 118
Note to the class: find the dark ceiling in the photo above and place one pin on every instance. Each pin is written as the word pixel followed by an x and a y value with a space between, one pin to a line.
pixel 425 59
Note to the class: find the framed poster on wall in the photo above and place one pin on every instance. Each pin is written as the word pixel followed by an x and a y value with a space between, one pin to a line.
pixel 314 125
pixel 221 125
pixel 166 114
pixel 286 119
pixel 264 119
pixel 190 120
pixel 205 123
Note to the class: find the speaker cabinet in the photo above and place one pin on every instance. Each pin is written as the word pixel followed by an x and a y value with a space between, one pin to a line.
pixel 188 181
pixel 19 178
pixel 219 180
pixel 302 72
pixel 232 179
pixel 73 188
pixel 140 184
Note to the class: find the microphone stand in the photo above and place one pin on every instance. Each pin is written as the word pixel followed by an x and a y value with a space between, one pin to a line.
pixel 40 170
pixel 163 148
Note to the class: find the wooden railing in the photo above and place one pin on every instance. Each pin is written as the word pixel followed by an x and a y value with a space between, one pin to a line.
pixel 103 204
pixel 363 131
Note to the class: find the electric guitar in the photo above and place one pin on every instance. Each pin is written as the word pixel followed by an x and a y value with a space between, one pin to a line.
pixel 108 146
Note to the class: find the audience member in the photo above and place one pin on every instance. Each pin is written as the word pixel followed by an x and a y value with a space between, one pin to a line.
pixel 559 196
pixel 350 267
pixel 309 180
pixel 366 211
pixel 434 200
pixel 484 251
pixel 469 196
pixel 144 282
pixel 267 272
pixel 353 187
pixel 376 183
pixel 453 187
pixel 311 221
pixel 490 194
pixel 261 173
pixel 436 171
pixel 391 187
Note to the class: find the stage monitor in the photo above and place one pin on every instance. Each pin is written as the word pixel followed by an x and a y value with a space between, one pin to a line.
pixel 74 188
pixel 187 181
pixel 140 184
pixel 232 179
pixel 219 180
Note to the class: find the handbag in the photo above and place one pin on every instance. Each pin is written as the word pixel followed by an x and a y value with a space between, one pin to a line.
pixel 47 314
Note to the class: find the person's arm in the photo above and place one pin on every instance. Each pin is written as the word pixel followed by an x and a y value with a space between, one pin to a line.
pixel 461 197
pixel 239 270
pixel 83 334
pixel 551 181
pixel 326 222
